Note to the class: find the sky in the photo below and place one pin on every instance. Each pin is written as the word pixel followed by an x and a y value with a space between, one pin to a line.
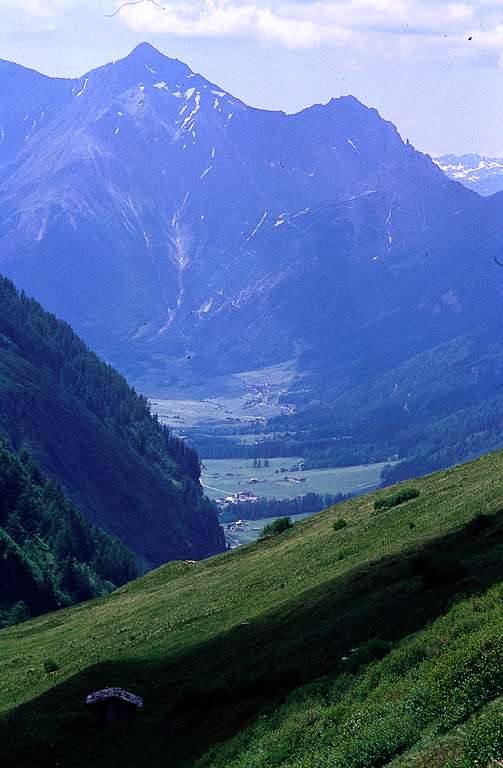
pixel 434 68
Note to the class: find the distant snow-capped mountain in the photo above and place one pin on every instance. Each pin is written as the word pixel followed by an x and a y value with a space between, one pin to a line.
pixel 482 174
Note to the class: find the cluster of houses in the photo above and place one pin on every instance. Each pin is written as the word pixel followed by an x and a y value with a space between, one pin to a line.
pixel 235 527
pixel 243 497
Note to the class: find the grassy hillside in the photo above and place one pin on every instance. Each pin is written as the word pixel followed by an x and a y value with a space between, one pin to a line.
pixel 50 556
pixel 406 709
pixel 247 659
pixel 93 434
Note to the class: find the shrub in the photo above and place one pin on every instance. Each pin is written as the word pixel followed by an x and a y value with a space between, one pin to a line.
pixel 339 524
pixel 50 666
pixel 277 526
pixel 15 614
pixel 394 499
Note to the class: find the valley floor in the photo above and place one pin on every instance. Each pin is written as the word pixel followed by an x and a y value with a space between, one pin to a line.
pixel 282 479
pixel 248 397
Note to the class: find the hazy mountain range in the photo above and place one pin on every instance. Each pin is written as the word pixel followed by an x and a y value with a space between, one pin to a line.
pixel 482 174
pixel 185 234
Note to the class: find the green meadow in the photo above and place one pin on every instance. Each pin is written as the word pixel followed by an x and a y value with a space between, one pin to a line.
pixel 376 641
pixel 226 476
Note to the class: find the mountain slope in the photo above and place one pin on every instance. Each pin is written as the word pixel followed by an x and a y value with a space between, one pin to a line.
pixel 140 208
pixel 412 364
pixel 49 555
pixel 28 102
pixel 186 235
pixel 214 646
pixel 96 437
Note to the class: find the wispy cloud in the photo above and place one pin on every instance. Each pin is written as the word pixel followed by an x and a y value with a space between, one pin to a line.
pixel 42 15
pixel 412 27
pixel 231 19
pixel 38 9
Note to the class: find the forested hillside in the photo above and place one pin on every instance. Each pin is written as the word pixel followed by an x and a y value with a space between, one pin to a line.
pixel 93 434
pixel 50 556
pixel 433 411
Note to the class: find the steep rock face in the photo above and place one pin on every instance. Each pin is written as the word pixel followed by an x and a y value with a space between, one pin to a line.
pixel 96 437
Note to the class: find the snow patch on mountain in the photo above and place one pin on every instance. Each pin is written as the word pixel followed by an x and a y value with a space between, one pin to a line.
pixel 257 227
pixel 86 80
pixel 205 307
pixel 192 114
pixel 205 172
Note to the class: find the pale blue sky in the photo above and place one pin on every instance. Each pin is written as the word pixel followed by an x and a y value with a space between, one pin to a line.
pixel 412 59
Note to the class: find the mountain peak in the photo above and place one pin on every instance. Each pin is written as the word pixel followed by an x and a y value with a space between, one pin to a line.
pixel 145 55
pixel 145 49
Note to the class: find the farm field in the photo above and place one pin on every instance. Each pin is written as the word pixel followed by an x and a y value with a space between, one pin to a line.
pixel 217 411
pixel 245 397
pixel 222 477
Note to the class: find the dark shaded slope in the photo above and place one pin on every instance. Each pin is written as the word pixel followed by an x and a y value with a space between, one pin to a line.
pixel 96 436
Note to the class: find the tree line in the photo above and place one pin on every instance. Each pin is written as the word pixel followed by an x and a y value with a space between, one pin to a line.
pixel 310 503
